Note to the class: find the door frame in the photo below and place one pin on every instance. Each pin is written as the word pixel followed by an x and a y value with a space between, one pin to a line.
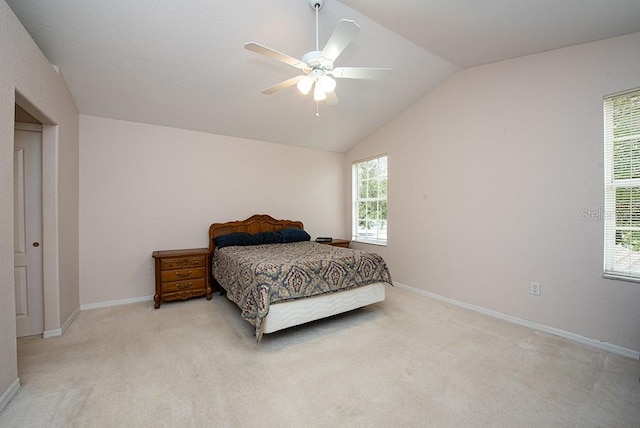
pixel 50 251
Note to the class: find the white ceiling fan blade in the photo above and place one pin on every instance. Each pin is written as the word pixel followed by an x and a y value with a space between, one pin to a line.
pixel 282 85
pixel 332 98
pixel 371 73
pixel 271 53
pixel 345 31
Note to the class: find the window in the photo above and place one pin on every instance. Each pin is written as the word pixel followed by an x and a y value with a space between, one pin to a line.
pixel 370 201
pixel 622 186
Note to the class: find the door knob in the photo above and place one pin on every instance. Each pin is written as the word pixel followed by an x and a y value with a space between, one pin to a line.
pixel 36 244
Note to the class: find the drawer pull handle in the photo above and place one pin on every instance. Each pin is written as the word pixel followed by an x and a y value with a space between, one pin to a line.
pixel 184 275
pixel 183 286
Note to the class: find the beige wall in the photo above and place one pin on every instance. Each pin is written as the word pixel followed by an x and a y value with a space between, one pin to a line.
pixel 44 94
pixel 146 187
pixel 489 175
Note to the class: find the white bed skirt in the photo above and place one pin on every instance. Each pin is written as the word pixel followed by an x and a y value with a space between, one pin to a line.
pixel 296 312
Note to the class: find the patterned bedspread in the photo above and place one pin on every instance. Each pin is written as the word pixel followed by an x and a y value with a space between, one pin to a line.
pixel 256 276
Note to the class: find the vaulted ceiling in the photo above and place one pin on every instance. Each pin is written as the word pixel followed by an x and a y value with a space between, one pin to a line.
pixel 182 64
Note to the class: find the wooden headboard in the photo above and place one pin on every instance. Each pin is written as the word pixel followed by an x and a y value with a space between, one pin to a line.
pixel 255 224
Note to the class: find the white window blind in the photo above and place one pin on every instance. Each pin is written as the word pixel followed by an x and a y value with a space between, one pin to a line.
pixel 622 186
pixel 369 211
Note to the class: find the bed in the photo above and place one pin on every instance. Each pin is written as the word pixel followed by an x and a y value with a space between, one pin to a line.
pixel 279 278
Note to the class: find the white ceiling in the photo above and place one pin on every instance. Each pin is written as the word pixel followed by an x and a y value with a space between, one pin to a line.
pixel 473 32
pixel 182 64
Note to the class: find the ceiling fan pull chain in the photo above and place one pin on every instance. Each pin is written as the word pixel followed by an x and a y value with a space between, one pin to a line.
pixel 317 109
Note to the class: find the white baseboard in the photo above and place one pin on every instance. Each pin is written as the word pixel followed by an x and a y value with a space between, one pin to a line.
pixel 110 303
pixel 615 349
pixel 60 331
pixel 69 320
pixel 9 393
pixel 51 333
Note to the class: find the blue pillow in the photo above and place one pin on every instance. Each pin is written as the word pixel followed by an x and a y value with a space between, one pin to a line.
pixel 239 238
pixel 265 238
pixel 294 235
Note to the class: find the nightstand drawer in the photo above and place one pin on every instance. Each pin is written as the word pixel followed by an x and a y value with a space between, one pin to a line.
pixel 190 284
pixel 182 262
pixel 182 274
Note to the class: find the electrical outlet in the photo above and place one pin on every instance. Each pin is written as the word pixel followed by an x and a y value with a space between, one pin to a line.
pixel 150 269
pixel 535 288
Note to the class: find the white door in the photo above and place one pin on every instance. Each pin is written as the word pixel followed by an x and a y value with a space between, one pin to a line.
pixel 27 195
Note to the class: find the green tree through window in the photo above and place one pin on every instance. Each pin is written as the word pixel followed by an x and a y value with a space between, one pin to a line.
pixel 370 200
pixel 622 185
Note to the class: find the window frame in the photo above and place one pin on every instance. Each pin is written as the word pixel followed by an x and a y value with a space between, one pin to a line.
pixel 613 268
pixel 380 230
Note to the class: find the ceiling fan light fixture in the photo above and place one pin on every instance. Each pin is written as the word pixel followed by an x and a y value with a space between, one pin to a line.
pixel 318 93
pixel 327 83
pixel 305 84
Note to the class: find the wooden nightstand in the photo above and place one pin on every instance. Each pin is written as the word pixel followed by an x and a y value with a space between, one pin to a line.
pixel 181 274
pixel 344 243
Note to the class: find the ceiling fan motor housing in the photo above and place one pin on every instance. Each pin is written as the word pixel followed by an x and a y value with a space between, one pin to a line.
pixel 315 60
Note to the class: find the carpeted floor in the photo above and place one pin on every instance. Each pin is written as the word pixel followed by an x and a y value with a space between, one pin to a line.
pixel 409 361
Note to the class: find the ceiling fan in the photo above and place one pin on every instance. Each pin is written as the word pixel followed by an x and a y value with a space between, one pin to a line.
pixel 317 65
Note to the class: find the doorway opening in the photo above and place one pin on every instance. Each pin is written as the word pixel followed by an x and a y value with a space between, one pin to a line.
pixel 28 113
